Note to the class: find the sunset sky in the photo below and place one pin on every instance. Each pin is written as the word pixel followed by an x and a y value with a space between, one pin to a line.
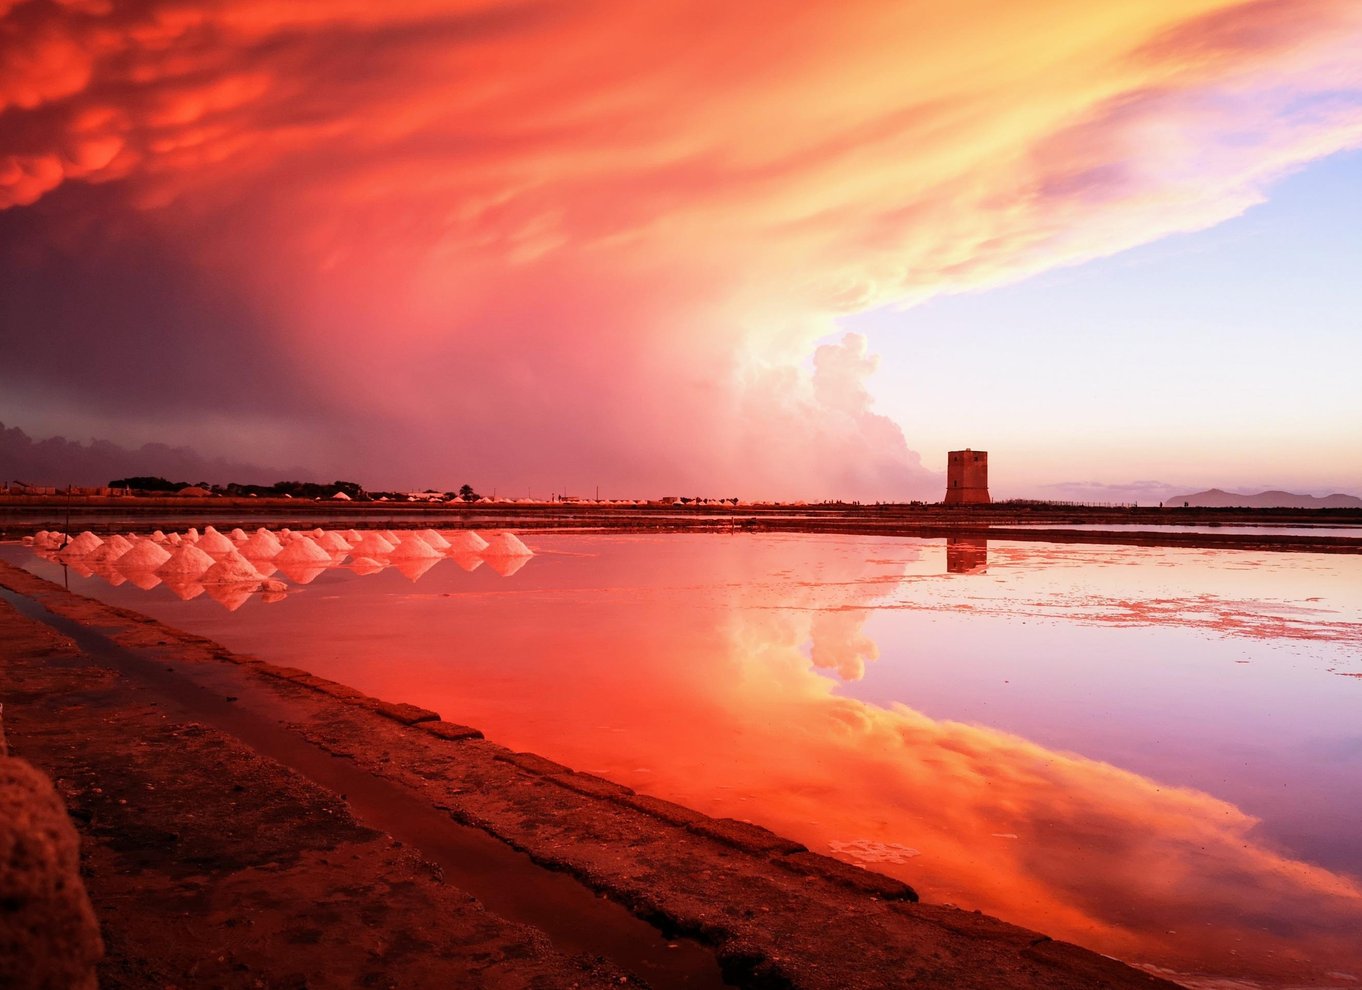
pixel 763 249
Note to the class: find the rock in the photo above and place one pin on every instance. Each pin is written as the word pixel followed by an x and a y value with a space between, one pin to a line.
pixel 49 939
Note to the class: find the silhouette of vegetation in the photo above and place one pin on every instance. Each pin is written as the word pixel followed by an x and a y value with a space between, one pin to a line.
pixel 148 483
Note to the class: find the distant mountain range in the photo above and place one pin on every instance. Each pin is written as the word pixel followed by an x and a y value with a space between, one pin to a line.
pixel 1214 498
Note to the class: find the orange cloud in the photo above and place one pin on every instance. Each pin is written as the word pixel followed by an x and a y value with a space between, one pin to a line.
pixel 683 196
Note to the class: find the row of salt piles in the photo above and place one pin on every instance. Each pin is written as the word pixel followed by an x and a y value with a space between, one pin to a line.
pixel 302 556
pixel 210 558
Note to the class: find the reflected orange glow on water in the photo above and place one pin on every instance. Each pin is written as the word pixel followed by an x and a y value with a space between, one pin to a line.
pixel 722 673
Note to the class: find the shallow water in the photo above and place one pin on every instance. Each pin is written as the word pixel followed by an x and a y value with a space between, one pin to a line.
pixel 1154 752
pixel 1256 529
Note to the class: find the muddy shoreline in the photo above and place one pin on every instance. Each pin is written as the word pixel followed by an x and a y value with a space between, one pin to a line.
pixel 290 831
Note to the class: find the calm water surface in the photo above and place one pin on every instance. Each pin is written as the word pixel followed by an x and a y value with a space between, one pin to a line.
pixel 1153 752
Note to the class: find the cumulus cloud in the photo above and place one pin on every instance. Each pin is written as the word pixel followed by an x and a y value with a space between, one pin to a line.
pixel 583 242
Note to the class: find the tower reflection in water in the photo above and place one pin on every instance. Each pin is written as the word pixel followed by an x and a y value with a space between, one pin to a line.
pixel 966 555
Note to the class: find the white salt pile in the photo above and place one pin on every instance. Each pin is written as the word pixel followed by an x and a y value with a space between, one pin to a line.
pixel 112 548
pixel 390 536
pixel 159 536
pixel 173 540
pixel 333 543
pixel 413 548
pixel 434 538
pixel 191 534
pixel 371 544
pixel 83 545
pixel 214 543
pixel 188 561
pixel 303 550
pixel 351 536
pixel 466 541
pixel 144 556
pixel 316 533
pixel 237 535
pixel 504 544
pixel 262 545
pixel 231 568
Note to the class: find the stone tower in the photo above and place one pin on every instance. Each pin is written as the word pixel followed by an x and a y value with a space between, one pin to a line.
pixel 967 477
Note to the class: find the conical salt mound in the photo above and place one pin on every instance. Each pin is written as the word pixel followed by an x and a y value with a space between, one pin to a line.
pixel 111 549
pixel 214 543
pixel 159 536
pixel 466 541
pixel 390 536
pixel 434 538
pixel 351 536
pixel 237 535
pixel 231 568
pixel 83 545
pixel 191 534
pixel 371 544
pixel 188 561
pixel 333 543
pixel 303 551
pixel 145 556
pixel 504 544
pixel 262 545
pixel 413 548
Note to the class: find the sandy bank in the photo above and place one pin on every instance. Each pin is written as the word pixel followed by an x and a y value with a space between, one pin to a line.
pixel 211 793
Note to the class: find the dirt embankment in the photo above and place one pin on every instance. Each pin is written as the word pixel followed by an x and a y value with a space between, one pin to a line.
pixel 251 825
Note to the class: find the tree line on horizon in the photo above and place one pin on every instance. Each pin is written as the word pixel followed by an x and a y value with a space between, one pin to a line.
pixel 154 484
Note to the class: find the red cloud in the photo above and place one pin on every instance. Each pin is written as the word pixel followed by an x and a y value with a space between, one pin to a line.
pixel 622 227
